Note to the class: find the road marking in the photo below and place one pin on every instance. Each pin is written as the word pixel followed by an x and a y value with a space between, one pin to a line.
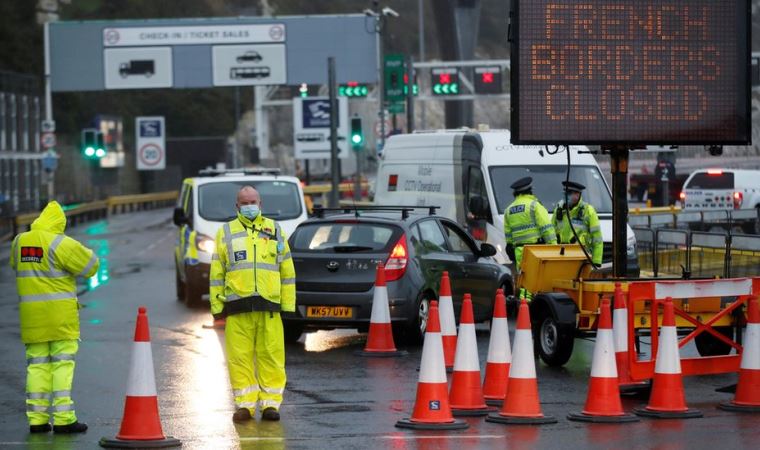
pixel 390 438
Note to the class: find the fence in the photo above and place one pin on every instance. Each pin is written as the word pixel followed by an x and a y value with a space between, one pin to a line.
pixel 100 209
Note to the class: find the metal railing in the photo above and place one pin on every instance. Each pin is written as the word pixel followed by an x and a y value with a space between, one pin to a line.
pixel 100 209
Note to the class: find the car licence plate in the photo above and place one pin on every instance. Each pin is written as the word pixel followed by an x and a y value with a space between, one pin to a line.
pixel 341 312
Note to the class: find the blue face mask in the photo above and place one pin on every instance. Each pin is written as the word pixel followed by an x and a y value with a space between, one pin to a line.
pixel 250 211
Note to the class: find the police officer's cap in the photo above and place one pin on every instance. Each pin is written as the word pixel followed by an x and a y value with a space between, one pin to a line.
pixel 573 186
pixel 523 184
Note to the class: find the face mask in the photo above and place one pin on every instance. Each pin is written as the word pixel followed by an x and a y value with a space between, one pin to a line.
pixel 250 211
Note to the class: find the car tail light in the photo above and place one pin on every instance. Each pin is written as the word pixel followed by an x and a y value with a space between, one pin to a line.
pixel 715 172
pixel 395 267
pixel 738 199
pixel 682 196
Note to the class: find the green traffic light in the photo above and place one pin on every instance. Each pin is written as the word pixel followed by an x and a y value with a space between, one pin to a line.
pixel 356 139
pixel 89 151
pixel 100 153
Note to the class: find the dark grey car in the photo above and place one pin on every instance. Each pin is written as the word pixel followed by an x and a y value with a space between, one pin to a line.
pixel 336 257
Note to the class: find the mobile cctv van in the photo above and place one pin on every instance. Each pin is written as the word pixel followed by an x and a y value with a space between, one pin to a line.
pixel 468 173
pixel 206 202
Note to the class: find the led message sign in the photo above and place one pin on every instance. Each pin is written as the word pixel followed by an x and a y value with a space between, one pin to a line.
pixel 630 72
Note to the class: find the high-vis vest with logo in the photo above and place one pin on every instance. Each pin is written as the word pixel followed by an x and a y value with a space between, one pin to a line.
pixel 47 263
pixel 252 258
pixel 586 225
pixel 526 221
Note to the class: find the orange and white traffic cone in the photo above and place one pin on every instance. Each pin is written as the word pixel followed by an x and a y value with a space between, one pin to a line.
pixel 466 394
pixel 620 331
pixel 431 407
pixel 603 399
pixel 380 338
pixel 747 398
pixel 448 321
pixel 667 400
pixel 521 404
pixel 141 425
pixel 499 354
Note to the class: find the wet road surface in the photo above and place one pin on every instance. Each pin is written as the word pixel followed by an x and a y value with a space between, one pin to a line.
pixel 333 398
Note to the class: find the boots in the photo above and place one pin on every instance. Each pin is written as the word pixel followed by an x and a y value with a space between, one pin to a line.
pixel 44 428
pixel 241 415
pixel 270 414
pixel 76 427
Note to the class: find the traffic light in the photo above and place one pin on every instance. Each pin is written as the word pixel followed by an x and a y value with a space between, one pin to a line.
pixel 488 80
pixel 445 81
pixel 353 89
pixel 357 135
pixel 303 89
pixel 415 87
pixel 92 143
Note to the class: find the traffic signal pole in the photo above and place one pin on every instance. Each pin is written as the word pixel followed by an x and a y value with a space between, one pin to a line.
pixel 619 169
pixel 48 105
pixel 334 163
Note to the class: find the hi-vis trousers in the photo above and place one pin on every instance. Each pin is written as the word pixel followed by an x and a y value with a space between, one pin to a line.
pixel 49 375
pixel 256 359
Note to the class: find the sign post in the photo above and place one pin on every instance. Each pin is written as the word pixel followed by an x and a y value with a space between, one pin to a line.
pixel 150 143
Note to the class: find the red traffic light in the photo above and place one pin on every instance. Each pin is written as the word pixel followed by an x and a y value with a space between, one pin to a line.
pixel 444 78
pixel 487 77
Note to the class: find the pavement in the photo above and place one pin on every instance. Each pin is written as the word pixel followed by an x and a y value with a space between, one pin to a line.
pixel 333 399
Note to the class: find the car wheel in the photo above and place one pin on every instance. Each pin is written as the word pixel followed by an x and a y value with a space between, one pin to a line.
pixel 180 287
pixel 553 341
pixel 414 332
pixel 292 332
pixel 709 345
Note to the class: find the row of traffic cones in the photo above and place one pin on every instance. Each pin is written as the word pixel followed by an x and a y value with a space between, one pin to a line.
pixel 435 410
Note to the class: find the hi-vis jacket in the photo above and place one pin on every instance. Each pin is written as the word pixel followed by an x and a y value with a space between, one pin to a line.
pixel 526 221
pixel 252 258
pixel 586 225
pixel 47 263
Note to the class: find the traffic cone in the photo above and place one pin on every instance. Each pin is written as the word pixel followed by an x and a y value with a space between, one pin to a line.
pixel 466 394
pixel 380 337
pixel 521 404
pixel 747 398
pixel 620 331
pixel 431 407
pixel 499 354
pixel 448 322
pixel 667 400
pixel 603 399
pixel 141 425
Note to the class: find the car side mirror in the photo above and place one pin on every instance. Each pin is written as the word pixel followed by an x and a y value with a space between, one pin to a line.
pixel 487 249
pixel 179 218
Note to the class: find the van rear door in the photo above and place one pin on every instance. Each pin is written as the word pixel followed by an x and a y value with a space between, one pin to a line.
pixel 710 190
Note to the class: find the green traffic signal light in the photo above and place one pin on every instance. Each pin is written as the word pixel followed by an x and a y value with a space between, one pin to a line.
pixel 99 153
pixel 89 152
pixel 357 135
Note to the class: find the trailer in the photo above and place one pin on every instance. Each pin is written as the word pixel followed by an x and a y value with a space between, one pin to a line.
pixel 567 291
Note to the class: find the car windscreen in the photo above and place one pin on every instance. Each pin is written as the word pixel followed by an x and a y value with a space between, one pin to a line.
pixel 711 180
pixel 343 237
pixel 279 199
pixel 547 185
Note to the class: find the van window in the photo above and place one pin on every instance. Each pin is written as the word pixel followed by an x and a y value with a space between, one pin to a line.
pixel 547 185
pixel 714 180
pixel 476 187
pixel 280 199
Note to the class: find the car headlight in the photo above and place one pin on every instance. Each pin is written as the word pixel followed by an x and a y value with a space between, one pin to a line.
pixel 206 244
pixel 631 246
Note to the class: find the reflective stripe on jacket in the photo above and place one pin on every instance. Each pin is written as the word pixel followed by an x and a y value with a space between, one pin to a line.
pixel 47 263
pixel 586 225
pixel 252 257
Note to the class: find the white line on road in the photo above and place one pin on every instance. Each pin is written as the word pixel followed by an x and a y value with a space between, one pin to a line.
pixel 389 438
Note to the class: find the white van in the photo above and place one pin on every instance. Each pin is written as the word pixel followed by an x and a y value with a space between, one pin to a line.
pixel 732 190
pixel 206 202
pixel 468 173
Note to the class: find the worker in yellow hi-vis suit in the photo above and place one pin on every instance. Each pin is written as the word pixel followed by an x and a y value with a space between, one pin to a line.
pixel 252 280
pixel 526 221
pixel 47 263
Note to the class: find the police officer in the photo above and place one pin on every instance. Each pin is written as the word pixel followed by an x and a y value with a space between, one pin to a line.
pixel 252 280
pixel 47 263
pixel 584 219
pixel 526 221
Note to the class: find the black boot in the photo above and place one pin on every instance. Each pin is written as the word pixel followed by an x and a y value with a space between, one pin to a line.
pixel 270 414
pixel 241 415
pixel 76 427
pixel 44 428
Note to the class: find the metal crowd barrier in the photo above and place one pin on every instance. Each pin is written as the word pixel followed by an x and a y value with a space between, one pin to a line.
pixel 317 193
pixel 100 209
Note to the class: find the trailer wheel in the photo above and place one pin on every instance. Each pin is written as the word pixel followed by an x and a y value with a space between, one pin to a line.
pixel 709 345
pixel 554 340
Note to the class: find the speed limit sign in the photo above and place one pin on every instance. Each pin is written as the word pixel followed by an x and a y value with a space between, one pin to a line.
pixel 151 153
